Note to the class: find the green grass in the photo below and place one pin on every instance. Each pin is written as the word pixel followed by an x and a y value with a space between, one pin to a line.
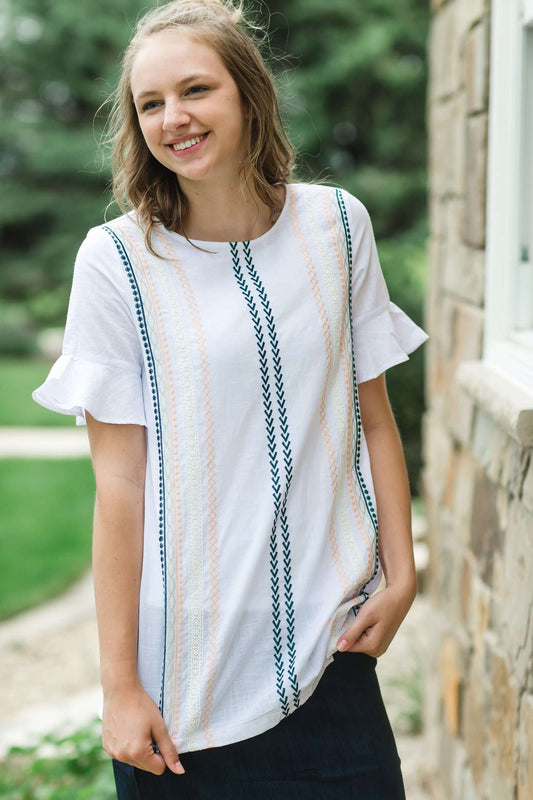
pixel 45 529
pixel 18 378
pixel 74 767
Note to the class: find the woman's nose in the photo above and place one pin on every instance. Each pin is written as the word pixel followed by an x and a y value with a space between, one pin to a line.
pixel 175 115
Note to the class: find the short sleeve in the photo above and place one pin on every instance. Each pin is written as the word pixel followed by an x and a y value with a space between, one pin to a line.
pixel 383 334
pixel 100 367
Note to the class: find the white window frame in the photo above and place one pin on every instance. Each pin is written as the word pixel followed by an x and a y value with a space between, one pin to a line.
pixel 505 347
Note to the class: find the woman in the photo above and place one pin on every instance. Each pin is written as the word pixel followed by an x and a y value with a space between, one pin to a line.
pixel 226 344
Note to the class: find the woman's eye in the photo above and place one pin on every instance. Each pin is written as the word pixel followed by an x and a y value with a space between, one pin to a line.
pixel 150 104
pixel 196 89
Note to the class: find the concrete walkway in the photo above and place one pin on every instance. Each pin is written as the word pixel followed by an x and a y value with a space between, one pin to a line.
pixel 44 442
pixel 49 656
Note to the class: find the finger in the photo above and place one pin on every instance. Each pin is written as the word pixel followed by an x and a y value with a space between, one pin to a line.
pixel 354 632
pixel 164 745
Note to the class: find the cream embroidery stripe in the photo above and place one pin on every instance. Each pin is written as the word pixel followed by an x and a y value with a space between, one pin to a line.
pixel 175 560
pixel 353 482
pixel 341 395
pixel 211 499
pixel 194 530
pixel 363 523
pixel 324 426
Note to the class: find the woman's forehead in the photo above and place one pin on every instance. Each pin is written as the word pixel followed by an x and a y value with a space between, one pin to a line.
pixel 174 54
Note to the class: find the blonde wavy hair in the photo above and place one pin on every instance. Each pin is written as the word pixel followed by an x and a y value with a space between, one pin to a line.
pixel 140 182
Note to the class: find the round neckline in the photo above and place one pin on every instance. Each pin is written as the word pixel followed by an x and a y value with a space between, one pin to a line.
pixel 258 239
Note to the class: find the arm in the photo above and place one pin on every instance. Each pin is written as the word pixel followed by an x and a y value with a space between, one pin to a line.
pixel 380 617
pixel 131 720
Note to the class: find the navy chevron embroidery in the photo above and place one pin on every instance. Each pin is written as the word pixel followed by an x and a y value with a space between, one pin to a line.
pixel 287 460
pixel 141 321
pixel 360 478
pixel 279 500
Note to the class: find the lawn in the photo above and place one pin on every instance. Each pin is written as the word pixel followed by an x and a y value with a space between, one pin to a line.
pixel 18 378
pixel 45 528
pixel 71 768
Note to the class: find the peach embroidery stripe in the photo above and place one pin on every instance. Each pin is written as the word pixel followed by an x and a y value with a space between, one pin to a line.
pixel 334 226
pixel 212 523
pixel 324 426
pixel 193 494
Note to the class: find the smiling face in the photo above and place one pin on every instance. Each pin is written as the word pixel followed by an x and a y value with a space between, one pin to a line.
pixel 189 108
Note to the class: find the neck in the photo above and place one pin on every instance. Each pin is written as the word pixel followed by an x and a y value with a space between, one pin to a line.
pixel 224 213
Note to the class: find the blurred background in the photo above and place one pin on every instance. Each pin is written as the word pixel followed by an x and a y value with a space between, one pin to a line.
pixel 352 78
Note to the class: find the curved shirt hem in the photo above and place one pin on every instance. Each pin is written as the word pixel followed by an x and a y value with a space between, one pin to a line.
pixel 254 727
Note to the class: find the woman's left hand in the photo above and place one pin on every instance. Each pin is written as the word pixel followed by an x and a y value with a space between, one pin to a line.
pixel 377 621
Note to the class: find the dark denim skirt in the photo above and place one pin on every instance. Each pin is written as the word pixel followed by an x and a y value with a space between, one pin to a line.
pixel 338 745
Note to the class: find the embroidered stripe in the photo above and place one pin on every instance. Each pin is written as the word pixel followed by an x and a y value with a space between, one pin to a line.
pixel 206 394
pixel 327 438
pixel 194 543
pixel 274 471
pixel 366 493
pixel 334 271
pixel 141 321
pixel 287 458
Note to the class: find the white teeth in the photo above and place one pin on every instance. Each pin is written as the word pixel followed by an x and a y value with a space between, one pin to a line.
pixel 188 143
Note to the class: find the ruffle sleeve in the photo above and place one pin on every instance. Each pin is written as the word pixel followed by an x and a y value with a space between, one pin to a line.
pixel 100 369
pixel 384 339
pixel 75 385
pixel 383 334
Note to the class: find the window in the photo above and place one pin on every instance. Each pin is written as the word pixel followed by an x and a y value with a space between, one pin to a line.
pixel 509 288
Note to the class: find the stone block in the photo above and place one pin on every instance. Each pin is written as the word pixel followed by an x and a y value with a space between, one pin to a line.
pixel 461 412
pixel 467 332
pixel 462 267
pixel 467 576
pixel 440 153
pixel 437 445
pixel 499 776
pixel 527 486
pixel 447 143
pixel 525 761
pixel 480 611
pixel 469 791
pixel 514 611
pixel 515 466
pixel 475 66
pixel 463 481
pixel 451 677
pixel 443 49
pixel 469 12
pixel 475 180
pixel 475 716
pixel 436 207
pixel 486 537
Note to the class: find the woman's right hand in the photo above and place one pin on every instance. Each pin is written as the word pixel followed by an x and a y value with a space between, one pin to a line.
pixel 131 724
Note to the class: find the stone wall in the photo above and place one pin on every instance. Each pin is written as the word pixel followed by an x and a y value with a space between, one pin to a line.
pixel 478 475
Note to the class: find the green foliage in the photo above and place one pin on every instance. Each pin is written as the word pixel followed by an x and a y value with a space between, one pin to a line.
pixel 18 378
pixel 354 98
pixel 45 529
pixel 404 262
pixel 405 694
pixel 74 767
pixel 58 61
pixel 353 81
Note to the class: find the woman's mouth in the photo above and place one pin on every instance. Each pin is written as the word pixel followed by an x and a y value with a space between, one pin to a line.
pixel 189 145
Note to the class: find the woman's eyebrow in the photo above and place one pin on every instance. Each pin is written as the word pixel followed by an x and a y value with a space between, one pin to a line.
pixel 194 77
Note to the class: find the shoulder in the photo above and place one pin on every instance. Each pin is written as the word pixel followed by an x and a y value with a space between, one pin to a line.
pixel 340 199
pixel 104 243
pixel 99 257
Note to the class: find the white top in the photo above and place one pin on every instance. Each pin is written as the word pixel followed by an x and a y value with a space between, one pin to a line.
pixel 260 534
